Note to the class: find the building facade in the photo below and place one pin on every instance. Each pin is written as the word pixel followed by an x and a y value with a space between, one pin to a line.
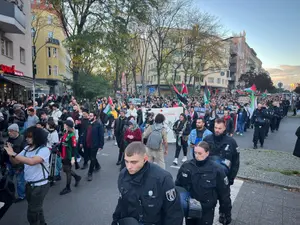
pixel 15 57
pixel 50 58
pixel 243 59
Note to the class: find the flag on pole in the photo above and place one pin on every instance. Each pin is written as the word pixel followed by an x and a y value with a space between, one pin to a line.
pixel 251 89
pixel 109 100
pixel 206 94
pixel 179 96
pixel 184 90
pixel 264 95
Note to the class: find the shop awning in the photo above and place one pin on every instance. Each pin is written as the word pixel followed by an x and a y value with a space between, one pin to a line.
pixel 21 81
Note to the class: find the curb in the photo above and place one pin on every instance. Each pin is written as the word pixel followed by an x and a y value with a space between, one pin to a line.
pixel 296 188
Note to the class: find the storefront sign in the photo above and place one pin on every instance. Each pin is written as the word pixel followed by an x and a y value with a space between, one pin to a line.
pixel 11 70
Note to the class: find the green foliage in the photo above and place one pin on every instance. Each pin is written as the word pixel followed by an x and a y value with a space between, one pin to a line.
pixel 91 86
pixel 262 81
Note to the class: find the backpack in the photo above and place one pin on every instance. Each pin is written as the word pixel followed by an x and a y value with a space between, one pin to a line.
pixel 155 139
pixel 44 169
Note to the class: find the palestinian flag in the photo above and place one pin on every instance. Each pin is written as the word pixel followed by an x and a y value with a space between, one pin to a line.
pixel 180 97
pixel 184 90
pixel 206 94
pixel 251 89
pixel 264 95
pixel 107 109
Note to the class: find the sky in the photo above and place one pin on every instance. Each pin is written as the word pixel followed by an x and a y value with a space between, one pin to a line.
pixel 272 29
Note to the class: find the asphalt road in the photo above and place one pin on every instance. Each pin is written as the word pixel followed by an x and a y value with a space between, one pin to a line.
pixel 92 203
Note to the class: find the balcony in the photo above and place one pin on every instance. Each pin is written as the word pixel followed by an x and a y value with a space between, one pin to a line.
pixel 52 41
pixel 12 18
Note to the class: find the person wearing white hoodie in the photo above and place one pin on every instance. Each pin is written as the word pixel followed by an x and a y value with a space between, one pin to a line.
pixel 131 111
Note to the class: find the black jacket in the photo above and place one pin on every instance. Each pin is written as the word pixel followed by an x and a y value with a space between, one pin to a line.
pixel 148 196
pixel 297 145
pixel 225 147
pixel 97 135
pixel 207 183
pixel 178 127
pixel 82 128
pixel 259 117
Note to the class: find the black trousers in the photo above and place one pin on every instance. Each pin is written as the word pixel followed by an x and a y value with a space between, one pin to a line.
pixel 183 145
pixel 259 135
pixel 35 197
pixel 94 161
pixel 85 153
pixel 206 219
pixel 67 168
pixel 273 124
pixel 277 123
pixel 267 128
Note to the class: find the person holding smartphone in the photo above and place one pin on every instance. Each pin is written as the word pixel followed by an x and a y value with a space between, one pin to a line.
pixel 35 158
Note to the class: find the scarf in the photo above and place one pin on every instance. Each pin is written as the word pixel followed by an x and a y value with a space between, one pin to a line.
pixel 67 146
pixel 134 125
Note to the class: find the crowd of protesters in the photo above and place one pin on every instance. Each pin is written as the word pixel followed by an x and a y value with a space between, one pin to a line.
pixel 78 128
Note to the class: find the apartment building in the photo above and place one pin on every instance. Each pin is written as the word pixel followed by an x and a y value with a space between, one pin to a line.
pixel 51 59
pixel 15 56
pixel 243 59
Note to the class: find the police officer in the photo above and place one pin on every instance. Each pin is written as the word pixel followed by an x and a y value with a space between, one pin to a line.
pixel 269 117
pixel 259 121
pixel 223 150
pixel 207 182
pixel 147 192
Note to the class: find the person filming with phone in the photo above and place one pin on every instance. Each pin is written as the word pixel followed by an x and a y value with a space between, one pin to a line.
pixel 35 158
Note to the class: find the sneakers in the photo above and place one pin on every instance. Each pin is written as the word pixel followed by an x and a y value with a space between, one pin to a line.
pixel 90 177
pixel 255 147
pixel 241 134
pixel 65 191
pixel 237 133
pixel 116 143
pixel 77 180
pixel 118 163
pixel 184 159
pixel 175 162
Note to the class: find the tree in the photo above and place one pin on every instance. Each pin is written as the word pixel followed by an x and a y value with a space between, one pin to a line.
pixel 297 89
pixel 92 86
pixel 262 80
pixel 162 22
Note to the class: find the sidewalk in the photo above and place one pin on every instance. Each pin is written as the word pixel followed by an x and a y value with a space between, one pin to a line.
pixel 258 204
pixel 272 167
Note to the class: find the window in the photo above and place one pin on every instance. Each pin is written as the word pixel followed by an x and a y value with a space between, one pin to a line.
pixel 33 51
pixel 210 80
pixel 55 70
pixel 22 55
pixel 55 53
pixel 49 70
pixel 223 81
pixel 49 52
pixel 49 19
pixel 219 80
pixel 6 47
pixel 50 34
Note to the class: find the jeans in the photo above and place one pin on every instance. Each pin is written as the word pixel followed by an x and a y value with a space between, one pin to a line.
pixel 240 127
pixel 19 173
pixel 109 132
pixel 58 166
pixel 35 197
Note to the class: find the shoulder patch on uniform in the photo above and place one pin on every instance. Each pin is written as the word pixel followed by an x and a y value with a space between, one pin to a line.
pixel 171 195
pixel 226 182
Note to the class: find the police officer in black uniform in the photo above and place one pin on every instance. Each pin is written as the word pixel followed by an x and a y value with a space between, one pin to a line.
pixel 207 183
pixel 259 121
pixel 223 150
pixel 269 116
pixel 147 192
